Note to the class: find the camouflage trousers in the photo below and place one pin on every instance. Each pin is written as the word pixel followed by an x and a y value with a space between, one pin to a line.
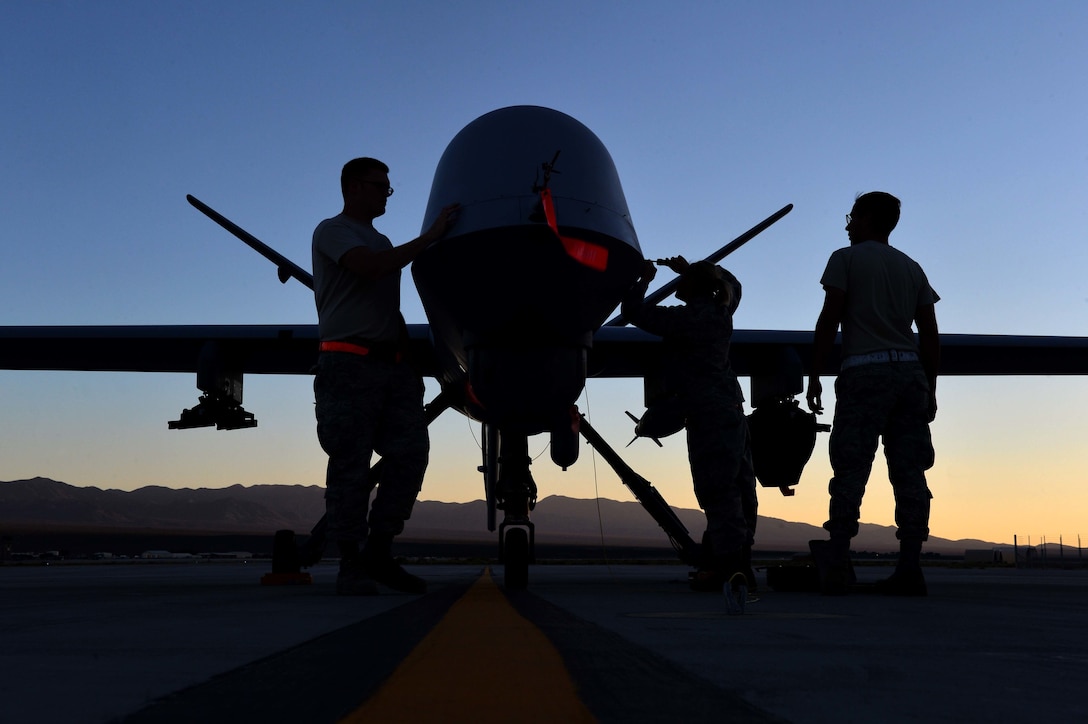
pixel 888 400
pixel 365 406
pixel 720 455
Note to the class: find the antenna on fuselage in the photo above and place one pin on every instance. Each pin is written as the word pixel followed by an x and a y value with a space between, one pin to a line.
pixel 539 214
pixel 549 169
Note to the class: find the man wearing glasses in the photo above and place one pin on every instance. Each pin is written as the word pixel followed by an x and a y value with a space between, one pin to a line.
pixel 367 399
pixel 886 388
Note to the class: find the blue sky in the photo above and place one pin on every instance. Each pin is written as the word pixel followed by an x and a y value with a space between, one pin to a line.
pixel 716 114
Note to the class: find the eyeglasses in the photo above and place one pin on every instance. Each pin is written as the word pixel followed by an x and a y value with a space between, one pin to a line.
pixel 848 219
pixel 384 187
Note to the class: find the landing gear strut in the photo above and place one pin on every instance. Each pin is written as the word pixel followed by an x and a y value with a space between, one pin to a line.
pixel 510 488
pixel 515 554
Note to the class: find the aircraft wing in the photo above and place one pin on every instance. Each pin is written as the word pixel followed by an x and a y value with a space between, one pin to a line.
pixel 630 352
pixel 252 349
pixel 616 352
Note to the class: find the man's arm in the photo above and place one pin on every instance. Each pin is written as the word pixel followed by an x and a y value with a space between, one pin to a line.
pixel 371 265
pixel 929 350
pixel 823 340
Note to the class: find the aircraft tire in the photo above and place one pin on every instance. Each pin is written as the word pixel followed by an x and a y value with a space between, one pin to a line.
pixel 516 560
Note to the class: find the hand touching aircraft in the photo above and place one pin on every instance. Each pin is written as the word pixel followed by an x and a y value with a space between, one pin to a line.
pixel 517 297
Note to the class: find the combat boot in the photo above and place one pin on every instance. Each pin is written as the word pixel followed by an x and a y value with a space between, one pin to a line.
pixel 712 576
pixel 379 564
pixel 706 579
pixel 832 559
pixel 905 581
pixel 749 572
pixel 352 579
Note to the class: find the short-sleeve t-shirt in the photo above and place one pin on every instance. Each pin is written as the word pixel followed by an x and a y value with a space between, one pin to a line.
pixel 884 287
pixel 348 306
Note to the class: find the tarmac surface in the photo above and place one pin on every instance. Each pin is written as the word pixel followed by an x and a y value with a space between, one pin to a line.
pixel 204 641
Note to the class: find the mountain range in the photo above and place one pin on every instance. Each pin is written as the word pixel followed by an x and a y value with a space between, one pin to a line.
pixel 41 504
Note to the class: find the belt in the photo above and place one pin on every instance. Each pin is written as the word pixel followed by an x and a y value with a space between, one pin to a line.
pixel 383 353
pixel 891 355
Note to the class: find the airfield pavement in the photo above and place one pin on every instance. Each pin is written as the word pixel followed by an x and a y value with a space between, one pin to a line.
pixel 204 641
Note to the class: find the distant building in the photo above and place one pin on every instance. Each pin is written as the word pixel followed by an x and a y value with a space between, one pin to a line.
pixel 165 554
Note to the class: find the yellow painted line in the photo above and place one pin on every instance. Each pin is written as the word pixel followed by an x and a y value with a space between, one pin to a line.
pixel 482 663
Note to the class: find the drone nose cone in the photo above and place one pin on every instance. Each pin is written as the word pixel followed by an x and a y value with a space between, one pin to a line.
pixel 497 165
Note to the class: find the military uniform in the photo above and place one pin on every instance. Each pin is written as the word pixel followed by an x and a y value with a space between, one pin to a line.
pixel 367 399
pixel 882 389
pixel 697 370
pixel 873 400
pixel 365 406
